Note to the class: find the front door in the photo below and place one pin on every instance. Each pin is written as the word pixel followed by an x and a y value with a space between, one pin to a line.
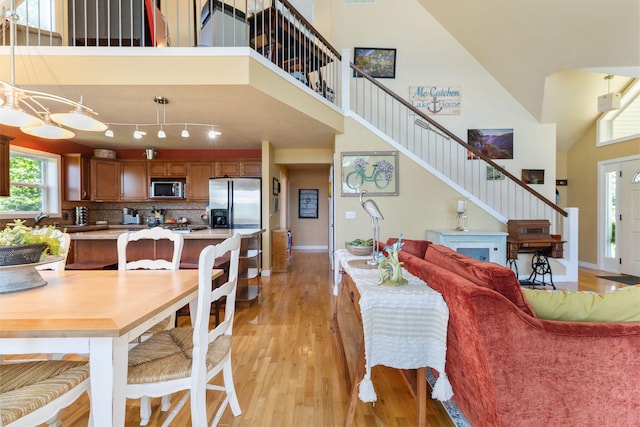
pixel 629 219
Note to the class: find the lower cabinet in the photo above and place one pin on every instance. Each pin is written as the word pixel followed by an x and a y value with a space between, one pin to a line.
pixel 281 251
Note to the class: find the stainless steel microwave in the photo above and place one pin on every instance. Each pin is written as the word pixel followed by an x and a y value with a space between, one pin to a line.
pixel 167 190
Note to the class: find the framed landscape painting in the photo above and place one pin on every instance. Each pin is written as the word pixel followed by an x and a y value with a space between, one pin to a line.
pixel 376 62
pixel 494 143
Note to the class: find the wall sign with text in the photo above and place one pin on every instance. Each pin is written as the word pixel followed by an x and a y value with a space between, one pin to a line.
pixel 441 100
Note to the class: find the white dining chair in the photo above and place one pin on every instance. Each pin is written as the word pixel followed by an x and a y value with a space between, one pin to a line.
pixel 155 233
pixel 189 358
pixel 65 242
pixel 33 393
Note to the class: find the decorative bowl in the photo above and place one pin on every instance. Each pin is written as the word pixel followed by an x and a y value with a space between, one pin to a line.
pixel 358 250
pixel 21 254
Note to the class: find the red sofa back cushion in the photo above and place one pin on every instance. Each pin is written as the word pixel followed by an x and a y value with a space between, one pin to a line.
pixel 414 247
pixel 487 274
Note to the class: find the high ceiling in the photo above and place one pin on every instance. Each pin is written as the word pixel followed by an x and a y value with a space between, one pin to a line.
pixel 552 56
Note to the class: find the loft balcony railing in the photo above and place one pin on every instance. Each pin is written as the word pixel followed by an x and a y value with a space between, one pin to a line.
pixel 273 28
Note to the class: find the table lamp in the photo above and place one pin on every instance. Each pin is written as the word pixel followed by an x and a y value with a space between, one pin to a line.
pixel 461 217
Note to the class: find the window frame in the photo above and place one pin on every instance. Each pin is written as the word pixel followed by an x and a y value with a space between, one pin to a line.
pixel 605 121
pixel 52 185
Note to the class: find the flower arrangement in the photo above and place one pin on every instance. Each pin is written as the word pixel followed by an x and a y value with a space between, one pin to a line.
pixel 16 233
pixel 390 268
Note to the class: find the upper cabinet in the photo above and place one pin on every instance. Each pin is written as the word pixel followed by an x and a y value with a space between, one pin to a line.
pixel 230 168
pixel 198 180
pixel 105 180
pixel 251 168
pixel 133 180
pixel 4 165
pixel 77 177
pixel 167 169
pixel 236 168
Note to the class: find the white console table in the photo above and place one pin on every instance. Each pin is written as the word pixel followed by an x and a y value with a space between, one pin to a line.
pixel 483 245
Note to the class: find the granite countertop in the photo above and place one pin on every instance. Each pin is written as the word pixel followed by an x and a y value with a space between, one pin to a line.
pixel 108 233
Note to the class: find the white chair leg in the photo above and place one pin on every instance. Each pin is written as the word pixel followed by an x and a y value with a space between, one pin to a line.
pixel 227 374
pixel 166 403
pixel 145 410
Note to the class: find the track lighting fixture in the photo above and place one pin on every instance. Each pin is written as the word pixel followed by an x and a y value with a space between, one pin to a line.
pixel 161 124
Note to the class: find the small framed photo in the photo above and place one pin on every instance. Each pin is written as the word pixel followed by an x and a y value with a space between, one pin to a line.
pixel 376 62
pixel 276 187
pixel 494 174
pixel 308 203
pixel 533 176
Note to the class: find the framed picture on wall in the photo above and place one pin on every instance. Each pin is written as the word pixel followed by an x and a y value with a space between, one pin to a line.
pixel 533 176
pixel 373 171
pixel 376 62
pixel 308 203
pixel 494 143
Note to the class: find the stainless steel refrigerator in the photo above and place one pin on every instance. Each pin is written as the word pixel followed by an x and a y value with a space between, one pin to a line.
pixel 235 202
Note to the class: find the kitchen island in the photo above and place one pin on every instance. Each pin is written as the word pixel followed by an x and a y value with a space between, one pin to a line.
pixel 100 245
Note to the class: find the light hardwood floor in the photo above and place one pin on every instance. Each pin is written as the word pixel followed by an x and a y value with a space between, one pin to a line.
pixel 286 369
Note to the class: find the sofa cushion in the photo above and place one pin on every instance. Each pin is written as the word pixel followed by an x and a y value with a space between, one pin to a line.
pixel 487 274
pixel 622 305
pixel 414 247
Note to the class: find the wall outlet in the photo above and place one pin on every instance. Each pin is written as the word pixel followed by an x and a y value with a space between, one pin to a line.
pixel 350 215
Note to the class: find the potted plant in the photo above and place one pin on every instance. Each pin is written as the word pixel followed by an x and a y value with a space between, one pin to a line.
pixel 20 244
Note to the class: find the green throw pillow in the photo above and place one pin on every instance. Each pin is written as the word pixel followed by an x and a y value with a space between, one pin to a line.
pixel 622 305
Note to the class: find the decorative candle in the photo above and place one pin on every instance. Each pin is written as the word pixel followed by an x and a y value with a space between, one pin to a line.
pixel 460 206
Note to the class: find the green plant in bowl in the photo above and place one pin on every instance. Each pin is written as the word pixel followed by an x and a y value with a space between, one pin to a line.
pixel 16 233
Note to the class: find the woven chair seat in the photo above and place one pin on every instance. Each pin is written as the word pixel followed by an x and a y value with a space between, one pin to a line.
pixel 26 387
pixel 167 355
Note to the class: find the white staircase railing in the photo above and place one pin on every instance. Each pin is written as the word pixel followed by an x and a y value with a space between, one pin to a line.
pixel 452 160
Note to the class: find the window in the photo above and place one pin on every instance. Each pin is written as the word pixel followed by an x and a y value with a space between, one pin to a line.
pixel 34 184
pixel 623 124
pixel 36 14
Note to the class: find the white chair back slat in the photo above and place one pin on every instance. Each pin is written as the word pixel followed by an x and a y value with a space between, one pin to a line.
pixel 155 233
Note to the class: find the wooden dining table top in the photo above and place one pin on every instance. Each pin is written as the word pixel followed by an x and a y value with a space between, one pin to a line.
pixel 96 303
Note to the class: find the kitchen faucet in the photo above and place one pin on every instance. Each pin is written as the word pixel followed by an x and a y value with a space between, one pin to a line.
pixel 40 217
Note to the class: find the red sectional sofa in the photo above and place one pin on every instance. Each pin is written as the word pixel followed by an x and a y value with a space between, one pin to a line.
pixel 509 368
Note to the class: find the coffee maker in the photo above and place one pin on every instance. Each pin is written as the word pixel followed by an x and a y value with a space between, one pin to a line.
pixel 130 216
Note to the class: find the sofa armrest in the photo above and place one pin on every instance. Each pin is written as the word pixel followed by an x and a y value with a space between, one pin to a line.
pixel 574 365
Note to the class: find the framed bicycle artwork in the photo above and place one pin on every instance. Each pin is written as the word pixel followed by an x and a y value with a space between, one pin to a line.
pixel 373 171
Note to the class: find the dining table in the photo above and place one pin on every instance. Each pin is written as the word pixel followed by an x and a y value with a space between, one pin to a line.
pixel 95 313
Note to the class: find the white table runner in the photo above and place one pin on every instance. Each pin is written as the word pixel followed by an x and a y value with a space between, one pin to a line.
pixel 404 327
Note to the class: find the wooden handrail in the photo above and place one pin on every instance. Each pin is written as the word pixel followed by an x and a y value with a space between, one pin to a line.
pixel 361 73
pixel 311 28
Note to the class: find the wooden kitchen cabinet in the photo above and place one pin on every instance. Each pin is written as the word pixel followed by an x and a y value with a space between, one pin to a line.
pixel 4 165
pixel 167 169
pixel 105 180
pixel 251 168
pixel 133 181
pixel 236 168
pixel 280 250
pixel 77 177
pixel 198 180
pixel 230 168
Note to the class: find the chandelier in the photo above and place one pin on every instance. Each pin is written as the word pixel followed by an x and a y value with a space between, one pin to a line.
pixel 160 125
pixel 26 109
